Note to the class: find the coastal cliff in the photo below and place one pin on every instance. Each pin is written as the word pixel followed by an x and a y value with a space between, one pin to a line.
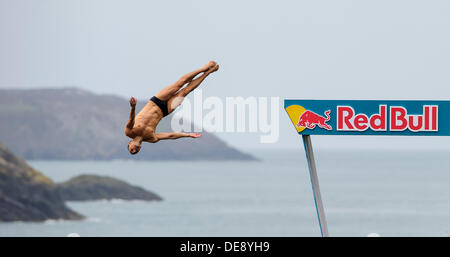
pixel 26 194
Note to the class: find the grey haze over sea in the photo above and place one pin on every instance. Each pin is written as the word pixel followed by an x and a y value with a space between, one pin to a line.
pixel 389 192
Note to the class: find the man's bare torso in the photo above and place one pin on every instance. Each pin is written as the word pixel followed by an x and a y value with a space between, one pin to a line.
pixel 145 122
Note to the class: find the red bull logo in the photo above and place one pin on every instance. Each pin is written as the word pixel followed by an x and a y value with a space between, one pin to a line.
pixel 310 119
pixel 391 118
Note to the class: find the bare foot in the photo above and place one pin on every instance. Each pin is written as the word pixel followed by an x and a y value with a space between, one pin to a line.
pixel 195 135
pixel 211 64
pixel 208 66
pixel 214 69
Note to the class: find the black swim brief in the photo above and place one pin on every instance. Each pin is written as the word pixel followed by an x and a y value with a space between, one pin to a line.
pixel 161 104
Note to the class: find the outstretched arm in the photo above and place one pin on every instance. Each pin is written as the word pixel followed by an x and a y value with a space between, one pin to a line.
pixel 130 122
pixel 176 135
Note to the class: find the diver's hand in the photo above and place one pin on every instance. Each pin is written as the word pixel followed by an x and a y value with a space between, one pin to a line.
pixel 133 102
pixel 195 135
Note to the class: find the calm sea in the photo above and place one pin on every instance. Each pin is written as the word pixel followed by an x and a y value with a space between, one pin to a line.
pixel 388 192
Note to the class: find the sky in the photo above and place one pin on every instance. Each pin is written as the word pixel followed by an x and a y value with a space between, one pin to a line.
pixel 290 49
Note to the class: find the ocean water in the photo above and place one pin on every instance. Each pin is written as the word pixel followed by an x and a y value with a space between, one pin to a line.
pixel 388 192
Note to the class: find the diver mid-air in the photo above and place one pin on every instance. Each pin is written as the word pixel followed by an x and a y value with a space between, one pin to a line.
pixel 141 127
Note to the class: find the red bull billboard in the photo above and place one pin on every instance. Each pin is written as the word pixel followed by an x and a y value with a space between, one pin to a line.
pixel 370 117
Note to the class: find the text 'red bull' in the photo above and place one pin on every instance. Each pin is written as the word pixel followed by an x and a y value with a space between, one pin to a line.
pixel 399 119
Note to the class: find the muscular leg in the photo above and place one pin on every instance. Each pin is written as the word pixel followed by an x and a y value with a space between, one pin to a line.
pixel 168 92
pixel 177 99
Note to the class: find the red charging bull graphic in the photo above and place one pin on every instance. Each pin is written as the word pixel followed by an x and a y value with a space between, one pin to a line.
pixel 310 119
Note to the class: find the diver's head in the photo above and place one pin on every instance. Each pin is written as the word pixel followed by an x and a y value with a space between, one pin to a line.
pixel 134 146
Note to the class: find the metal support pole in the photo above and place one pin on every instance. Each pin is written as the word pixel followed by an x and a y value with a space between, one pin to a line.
pixel 315 185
